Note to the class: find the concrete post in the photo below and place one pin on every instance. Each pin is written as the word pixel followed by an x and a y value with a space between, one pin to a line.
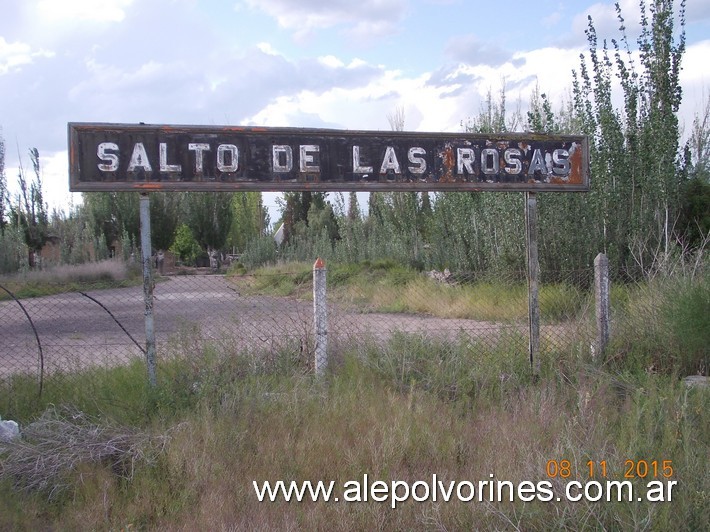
pixel 533 281
pixel 320 317
pixel 602 304
pixel 146 251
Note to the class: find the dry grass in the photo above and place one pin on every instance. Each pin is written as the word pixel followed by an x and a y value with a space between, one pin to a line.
pixel 60 442
pixel 66 278
pixel 392 288
pixel 391 414
pixel 405 409
pixel 115 270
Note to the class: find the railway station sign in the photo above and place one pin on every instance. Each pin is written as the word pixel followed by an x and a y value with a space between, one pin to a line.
pixel 121 157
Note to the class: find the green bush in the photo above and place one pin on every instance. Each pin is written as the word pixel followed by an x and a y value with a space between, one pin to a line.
pixel 185 245
pixel 687 312
pixel 663 326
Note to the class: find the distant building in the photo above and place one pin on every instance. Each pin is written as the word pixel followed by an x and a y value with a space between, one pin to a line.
pixel 279 235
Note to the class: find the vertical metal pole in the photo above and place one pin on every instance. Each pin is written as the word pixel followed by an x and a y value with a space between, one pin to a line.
pixel 533 278
pixel 601 299
pixel 320 316
pixel 146 251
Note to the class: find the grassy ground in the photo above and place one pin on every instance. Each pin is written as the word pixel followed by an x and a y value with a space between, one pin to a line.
pixel 407 410
pixel 384 286
pixel 60 279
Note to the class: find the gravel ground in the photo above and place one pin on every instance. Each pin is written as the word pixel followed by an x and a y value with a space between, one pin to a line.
pixel 75 331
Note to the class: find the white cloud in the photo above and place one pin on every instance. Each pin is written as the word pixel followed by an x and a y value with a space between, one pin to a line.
pixel 367 18
pixel 695 79
pixel 83 10
pixel 16 54
pixel 266 48
pixel 331 61
pixel 605 18
pixel 474 51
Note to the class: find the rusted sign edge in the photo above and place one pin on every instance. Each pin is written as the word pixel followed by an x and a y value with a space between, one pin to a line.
pixel 75 128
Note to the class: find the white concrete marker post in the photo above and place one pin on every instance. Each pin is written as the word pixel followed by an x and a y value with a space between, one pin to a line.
pixel 602 295
pixel 320 316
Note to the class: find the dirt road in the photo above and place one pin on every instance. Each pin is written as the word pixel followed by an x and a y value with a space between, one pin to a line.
pixel 75 331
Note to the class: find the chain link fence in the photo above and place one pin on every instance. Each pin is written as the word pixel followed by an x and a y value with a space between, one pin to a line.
pixel 272 313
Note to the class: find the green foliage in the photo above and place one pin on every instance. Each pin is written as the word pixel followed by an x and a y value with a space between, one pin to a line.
pixel 13 256
pixel 114 217
pixel 165 214
pixel 405 408
pixel 662 325
pixel 694 218
pixel 184 245
pixel 635 163
pixel 353 207
pixel 209 216
pixel 687 312
pixel 30 213
pixel 111 213
pixel 250 220
pixel 259 251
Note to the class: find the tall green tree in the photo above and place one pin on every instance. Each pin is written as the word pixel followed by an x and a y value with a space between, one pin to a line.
pixel 636 168
pixel 110 214
pixel 209 216
pixel 115 216
pixel 30 213
pixel 165 213
pixel 353 207
pixel 250 219
pixel 296 209
pixel 693 225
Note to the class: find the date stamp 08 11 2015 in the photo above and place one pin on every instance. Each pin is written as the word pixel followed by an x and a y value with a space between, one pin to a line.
pixel 653 472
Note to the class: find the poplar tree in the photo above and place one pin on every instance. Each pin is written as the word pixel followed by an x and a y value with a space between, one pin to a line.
pixel 637 171
pixel 30 213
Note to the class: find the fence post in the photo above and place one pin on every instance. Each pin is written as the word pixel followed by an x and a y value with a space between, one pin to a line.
pixel 533 279
pixel 146 251
pixel 602 304
pixel 320 316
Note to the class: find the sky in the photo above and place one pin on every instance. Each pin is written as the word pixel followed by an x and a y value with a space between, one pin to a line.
pixel 308 63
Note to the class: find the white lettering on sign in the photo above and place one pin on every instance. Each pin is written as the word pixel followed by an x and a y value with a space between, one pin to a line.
pixel 164 166
pixel 110 163
pixel 276 151
pixel 307 162
pixel 537 164
pixel 390 162
pixel 198 148
pixel 415 156
pixel 512 161
pixel 357 167
pixel 489 161
pixel 139 159
pixel 465 158
pixel 233 152
pixel 482 163
pixel 560 159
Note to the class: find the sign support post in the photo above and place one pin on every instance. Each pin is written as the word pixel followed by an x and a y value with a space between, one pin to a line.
pixel 533 275
pixel 147 253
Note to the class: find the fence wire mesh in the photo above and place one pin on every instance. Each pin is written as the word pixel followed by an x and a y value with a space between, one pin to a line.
pixel 269 313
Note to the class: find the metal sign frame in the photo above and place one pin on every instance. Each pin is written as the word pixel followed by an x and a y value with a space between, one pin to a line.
pixel 121 157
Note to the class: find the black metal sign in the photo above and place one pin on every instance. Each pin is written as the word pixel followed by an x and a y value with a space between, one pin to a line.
pixel 115 157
